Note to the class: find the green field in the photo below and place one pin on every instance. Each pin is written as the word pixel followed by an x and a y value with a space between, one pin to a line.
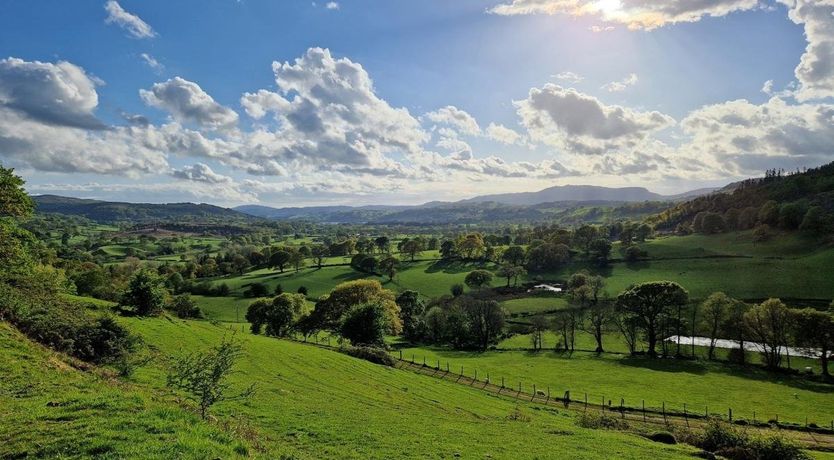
pixel 537 304
pixel 309 403
pixel 697 383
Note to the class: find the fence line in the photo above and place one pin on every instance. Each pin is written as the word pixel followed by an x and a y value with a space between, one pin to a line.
pixel 656 416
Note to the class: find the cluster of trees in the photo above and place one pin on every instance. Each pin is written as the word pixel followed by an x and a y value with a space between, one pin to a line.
pixel 30 291
pixel 461 322
pixel 361 311
pixel 795 201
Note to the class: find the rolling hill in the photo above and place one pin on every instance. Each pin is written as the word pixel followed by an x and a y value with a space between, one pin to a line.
pixel 107 211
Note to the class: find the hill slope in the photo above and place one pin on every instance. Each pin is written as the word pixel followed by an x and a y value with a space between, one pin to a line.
pixel 106 211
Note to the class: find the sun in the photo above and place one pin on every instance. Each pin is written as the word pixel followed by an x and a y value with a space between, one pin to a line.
pixel 608 7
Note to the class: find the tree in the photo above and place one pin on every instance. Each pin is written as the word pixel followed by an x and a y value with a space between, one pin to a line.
pixel 647 302
pixel 383 244
pixel 791 215
pixel 203 375
pixel 642 233
pixel 14 201
pixel 412 248
pixel 769 213
pixel 538 326
pixel 296 259
pixel 716 309
pixel 814 222
pixel 185 307
pixel 447 250
pixel 633 254
pixel 514 255
pixel 600 252
pixel 319 252
pixel 761 233
pixel 478 278
pixel 814 331
pixel 278 314
pixel 736 328
pixel 411 314
pixel 256 290
pixel 510 271
pixel 456 290
pixel 470 246
pixel 365 325
pixel 548 256
pixel 769 323
pixel 598 318
pixel 486 321
pixel 565 323
pixel 280 259
pixel 331 309
pixel 145 293
pixel 584 236
pixel 388 266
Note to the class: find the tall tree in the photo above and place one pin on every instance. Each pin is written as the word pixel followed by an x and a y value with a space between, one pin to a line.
pixel 716 309
pixel 648 302
pixel 814 330
pixel 769 323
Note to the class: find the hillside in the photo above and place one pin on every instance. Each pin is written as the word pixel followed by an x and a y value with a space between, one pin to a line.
pixel 310 403
pixel 106 211
pixel 801 200
pixel 571 193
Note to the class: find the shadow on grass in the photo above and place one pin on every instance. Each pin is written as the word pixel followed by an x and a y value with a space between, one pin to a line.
pixel 455 266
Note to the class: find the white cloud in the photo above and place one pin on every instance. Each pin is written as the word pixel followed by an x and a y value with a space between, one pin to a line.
pixel 152 62
pixel 58 94
pixel 502 134
pixel 598 29
pixel 134 25
pixel 636 14
pixel 742 138
pixel 201 172
pixel 815 71
pixel 332 6
pixel 187 102
pixel 570 77
pixel 581 123
pixel 622 85
pixel 453 117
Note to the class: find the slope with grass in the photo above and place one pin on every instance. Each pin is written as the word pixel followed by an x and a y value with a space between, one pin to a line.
pixel 697 383
pixel 50 409
pixel 317 403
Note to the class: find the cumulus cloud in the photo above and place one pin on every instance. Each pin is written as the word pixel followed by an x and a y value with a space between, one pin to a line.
pixel 622 85
pixel 132 24
pixel 635 14
pixel 328 115
pixel 187 102
pixel 744 138
pixel 201 172
pixel 581 123
pixel 58 94
pixel 332 6
pixel 502 134
pixel 457 119
pixel 815 71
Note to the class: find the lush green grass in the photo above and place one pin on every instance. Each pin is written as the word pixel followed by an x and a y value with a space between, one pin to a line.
pixel 49 409
pixel 783 245
pixel 536 304
pixel 315 403
pixel 696 383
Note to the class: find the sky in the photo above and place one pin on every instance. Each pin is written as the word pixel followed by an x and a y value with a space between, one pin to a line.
pixel 295 103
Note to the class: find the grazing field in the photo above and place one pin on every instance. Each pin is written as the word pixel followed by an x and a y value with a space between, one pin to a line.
pixel 48 409
pixel 697 383
pixel 316 403
pixel 538 304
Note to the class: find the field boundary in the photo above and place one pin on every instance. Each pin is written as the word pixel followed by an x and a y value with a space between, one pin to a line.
pixel 812 437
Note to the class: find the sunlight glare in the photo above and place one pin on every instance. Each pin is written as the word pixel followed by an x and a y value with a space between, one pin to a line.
pixel 608 6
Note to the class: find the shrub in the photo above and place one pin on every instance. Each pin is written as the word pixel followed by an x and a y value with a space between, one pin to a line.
pixel 256 290
pixel 598 421
pixel 663 437
pixel 365 324
pixel 735 444
pixel 302 290
pixel 185 307
pixel 373 354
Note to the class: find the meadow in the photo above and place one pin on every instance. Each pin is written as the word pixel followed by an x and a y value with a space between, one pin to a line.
pixel 309 403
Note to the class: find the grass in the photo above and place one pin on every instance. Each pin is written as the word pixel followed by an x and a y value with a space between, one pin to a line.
pixel 49 409
pixel 675 382
pixel 534 304
pixel 316 403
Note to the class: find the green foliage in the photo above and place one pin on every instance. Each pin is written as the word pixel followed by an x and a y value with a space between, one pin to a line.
pixel 278 314
pixel 185 307
pixel 411 314
pixel 331 310
pixel 145 294
pixel 365 325
pixel 596 421
pixel 14 201
pixel 648 302
pixel 204 375
pixel 373 354
pixel 478 279
pixel 736 444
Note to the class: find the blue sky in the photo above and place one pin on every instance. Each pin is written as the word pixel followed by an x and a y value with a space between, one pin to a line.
pixel 406 101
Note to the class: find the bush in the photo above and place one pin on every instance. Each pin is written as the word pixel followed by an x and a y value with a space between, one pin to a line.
pixel 598 421
pixel 735 444
pixel 365 325
pixel 302 290
pixel 185 307
pixel 373 354
pixel 256 290
pixel 663 437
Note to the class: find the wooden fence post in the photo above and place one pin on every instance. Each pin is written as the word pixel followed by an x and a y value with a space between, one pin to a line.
pixel 730 414
pixel 664 412
pixel 622 407
pixel 548 396
pixel 534 392
pixel 685 416
pixel 401 355
pixel 644 410
pixel 586 402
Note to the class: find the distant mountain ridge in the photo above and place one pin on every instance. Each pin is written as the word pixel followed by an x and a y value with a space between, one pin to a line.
pixel 109 211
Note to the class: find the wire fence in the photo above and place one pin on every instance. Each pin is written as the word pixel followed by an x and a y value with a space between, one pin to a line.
pixel 666 414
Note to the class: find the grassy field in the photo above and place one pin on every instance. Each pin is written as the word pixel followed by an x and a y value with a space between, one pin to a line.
pixel 697 383
pixel 49 409
pixel 315 403
pixel 534 304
